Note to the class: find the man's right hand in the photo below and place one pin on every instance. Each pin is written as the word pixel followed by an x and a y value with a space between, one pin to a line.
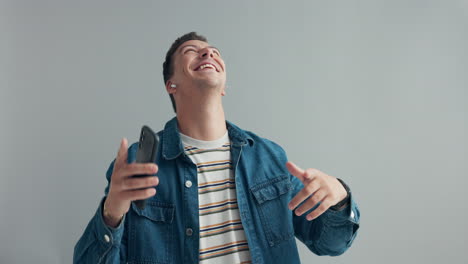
pixel 124 188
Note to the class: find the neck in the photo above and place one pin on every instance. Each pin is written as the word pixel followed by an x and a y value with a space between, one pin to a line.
pixel 202 120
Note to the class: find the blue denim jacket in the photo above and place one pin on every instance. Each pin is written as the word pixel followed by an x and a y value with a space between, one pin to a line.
pixel 167 229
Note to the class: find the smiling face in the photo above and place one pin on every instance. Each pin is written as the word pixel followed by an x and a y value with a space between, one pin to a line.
pixel 197 64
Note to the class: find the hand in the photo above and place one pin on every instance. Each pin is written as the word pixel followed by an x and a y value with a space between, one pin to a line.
pixel 123 187
pixel 324 188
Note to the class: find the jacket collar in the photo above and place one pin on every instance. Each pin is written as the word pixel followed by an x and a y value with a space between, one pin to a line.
pixel 172 145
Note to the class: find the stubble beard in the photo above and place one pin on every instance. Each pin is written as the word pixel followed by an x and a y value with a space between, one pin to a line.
pixel 208 85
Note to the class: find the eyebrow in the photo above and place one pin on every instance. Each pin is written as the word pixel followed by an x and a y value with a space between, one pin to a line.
pixel 195 46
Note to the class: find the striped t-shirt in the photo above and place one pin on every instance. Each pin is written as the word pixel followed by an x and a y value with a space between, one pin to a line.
pixel 222 237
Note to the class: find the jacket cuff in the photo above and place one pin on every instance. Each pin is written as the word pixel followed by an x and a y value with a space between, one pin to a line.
pixel 348 214
pixel 107 236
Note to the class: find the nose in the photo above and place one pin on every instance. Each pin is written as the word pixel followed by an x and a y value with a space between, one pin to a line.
pixel 206 52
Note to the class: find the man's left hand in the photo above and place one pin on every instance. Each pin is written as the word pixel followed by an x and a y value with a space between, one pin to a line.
pixel 324 188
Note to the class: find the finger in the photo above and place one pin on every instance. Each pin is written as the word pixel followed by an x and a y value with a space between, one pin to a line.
pixel 122 153
pixel 311 202
pixel 138 183
pixel 138 194
pixel 140 169
pixel 295 170
pixel 324 205
pixel 303 194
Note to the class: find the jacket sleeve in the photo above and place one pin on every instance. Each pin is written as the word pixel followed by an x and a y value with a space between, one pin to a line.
pixel 332 233
pixel 99 242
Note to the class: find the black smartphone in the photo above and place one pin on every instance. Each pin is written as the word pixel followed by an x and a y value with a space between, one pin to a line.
pixel 147 149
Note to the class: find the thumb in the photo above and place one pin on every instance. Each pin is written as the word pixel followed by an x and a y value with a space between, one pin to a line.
pixel 295 170
pixel 122 154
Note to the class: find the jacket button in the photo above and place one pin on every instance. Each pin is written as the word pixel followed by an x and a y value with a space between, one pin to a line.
pixel 352 214
pixel 189 231
pixel 188 184
pixel 106 238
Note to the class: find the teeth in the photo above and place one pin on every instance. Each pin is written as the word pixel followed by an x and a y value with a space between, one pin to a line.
pixel 206 65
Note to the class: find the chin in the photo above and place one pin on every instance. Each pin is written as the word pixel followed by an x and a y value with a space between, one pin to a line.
pixel 209 82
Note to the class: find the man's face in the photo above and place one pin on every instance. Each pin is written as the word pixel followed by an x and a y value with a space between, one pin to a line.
pixel 196 62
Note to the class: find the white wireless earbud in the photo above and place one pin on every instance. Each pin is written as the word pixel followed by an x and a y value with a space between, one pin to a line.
pixel 173 86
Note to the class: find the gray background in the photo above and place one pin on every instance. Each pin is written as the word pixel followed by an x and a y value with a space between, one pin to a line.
pixel 374 92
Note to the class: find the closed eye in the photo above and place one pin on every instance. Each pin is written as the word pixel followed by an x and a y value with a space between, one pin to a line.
pixel 189 49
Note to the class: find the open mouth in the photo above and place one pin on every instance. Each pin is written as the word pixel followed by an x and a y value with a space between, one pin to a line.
pixel 206 67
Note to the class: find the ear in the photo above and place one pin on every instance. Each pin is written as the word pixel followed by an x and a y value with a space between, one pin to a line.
pixel 169 89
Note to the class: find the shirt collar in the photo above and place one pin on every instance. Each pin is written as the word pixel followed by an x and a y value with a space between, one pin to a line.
pixel 172 145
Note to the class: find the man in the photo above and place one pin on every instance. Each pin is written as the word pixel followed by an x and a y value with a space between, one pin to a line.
pixel 221 194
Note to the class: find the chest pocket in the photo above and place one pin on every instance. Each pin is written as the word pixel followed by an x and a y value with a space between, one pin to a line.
pixel 151 236
pixel 272 204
